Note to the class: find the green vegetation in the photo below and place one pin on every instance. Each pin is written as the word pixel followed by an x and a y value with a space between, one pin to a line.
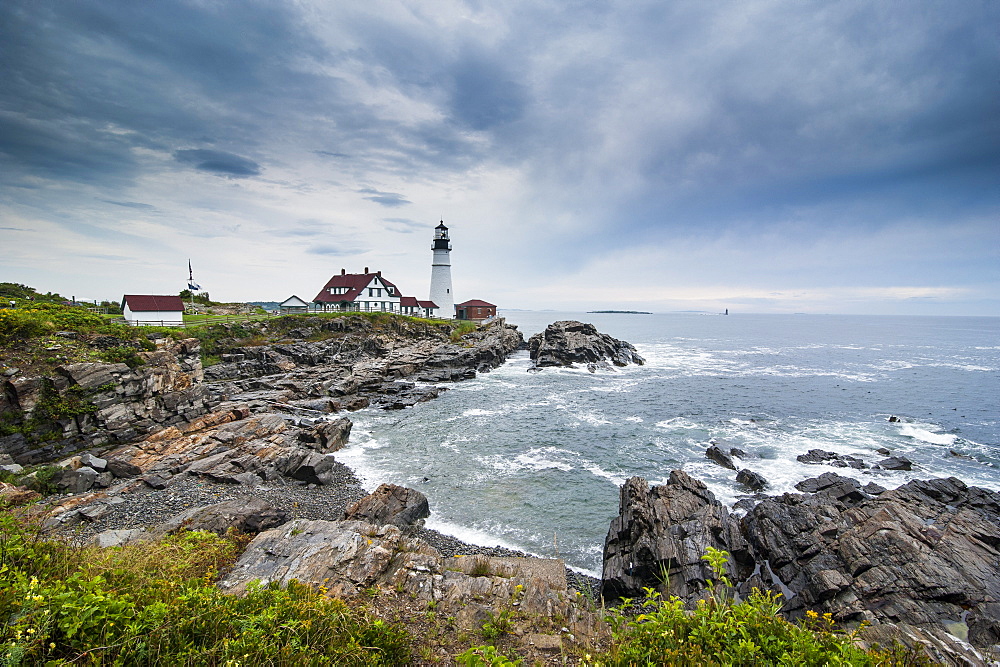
pixel 462 327
pixel 43 423
pixel 721 632
pixel 155 603
pixel 17 292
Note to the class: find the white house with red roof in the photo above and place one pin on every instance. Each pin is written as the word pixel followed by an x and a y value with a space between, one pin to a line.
pixel 153 309
pixel 369 293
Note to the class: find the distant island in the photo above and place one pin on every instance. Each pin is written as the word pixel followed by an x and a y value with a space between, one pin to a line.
pixel 620 312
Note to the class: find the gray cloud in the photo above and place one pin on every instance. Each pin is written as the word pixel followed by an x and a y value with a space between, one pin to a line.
pixel 405 225
pixel 626 126
pixel 130 204
pixel 346 250
pixel 389 199
pixel 218 162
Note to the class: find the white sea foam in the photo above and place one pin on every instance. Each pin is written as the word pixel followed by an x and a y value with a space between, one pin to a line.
pixel 678 423
pixel 596 470
pixel 918 433
pixel 479 412
pixel 467 534
pixel 637 420
pixel 592 418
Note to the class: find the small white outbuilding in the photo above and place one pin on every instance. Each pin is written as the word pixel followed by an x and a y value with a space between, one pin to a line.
pixel 153 310
pixel 293 304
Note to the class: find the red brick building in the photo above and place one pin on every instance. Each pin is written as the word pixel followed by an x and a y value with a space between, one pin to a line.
pixel 475 309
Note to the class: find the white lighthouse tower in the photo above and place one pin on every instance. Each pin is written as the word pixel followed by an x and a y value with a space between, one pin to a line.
pixel 441 293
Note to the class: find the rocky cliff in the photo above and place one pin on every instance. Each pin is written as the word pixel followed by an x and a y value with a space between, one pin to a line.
pixel 919 562
pixel 87 405
pixel 163 419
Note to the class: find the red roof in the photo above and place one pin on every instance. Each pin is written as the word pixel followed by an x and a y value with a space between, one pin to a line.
pixel 152 302
pixel 354 282
pixel 409 302
pixel 428 304
pixel 475 303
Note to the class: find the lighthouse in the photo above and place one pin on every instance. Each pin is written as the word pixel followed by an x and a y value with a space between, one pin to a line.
pixel 441 293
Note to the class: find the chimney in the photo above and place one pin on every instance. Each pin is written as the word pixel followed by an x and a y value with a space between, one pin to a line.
pixel 366 269
pixel 378 273
pixel 343 272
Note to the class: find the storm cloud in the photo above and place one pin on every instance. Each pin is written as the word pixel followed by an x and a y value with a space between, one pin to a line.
pixel 846 153
pixel 218 162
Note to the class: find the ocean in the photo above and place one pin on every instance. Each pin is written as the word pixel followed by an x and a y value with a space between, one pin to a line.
pixel 533 461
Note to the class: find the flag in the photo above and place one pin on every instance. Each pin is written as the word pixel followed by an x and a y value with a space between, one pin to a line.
pixel 192 285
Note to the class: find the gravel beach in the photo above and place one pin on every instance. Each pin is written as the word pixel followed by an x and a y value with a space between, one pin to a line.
pixel 326 502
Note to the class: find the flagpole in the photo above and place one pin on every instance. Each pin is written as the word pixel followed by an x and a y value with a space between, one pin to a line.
pixel 191 282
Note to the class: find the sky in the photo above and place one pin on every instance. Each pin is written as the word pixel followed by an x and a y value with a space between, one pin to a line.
pixel 768 156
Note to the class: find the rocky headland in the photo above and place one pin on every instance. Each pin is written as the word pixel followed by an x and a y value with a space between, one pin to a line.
pixel 249 443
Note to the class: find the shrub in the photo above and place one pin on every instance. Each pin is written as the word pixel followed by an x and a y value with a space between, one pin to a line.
pixel 750 633
pixel 154 603
pixel 123 355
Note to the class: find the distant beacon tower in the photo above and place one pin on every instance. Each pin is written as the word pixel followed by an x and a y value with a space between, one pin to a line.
pixel 441 293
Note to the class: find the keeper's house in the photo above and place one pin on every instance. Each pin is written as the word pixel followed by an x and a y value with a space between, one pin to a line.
pixel 369 293
pixel 153 310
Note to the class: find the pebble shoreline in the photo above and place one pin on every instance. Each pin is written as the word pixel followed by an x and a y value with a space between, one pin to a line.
pixel 142 509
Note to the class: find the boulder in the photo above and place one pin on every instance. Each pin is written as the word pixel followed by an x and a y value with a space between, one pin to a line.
pixel 310 467
pixel 94 462
pixel 751 480
pixel 343 558
pixel 569 342
pixel 843 489
pixel 723 459
pixel 896 463
pixel 831 458
pixel 391 504
pixel 123 469
pixel 244 516
pixel 77 481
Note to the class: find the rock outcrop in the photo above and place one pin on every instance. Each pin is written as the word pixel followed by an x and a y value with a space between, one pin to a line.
pixel 354 360
pixel 660 535
pixel 921 558
pixel 344 558
pixel 391 504
pixel 98 404
pixel 568 342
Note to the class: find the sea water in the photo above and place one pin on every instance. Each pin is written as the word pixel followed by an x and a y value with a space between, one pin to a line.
pixel 533 461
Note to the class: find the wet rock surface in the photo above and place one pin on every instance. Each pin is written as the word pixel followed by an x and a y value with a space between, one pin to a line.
pixel 918 562
pixel 569 342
